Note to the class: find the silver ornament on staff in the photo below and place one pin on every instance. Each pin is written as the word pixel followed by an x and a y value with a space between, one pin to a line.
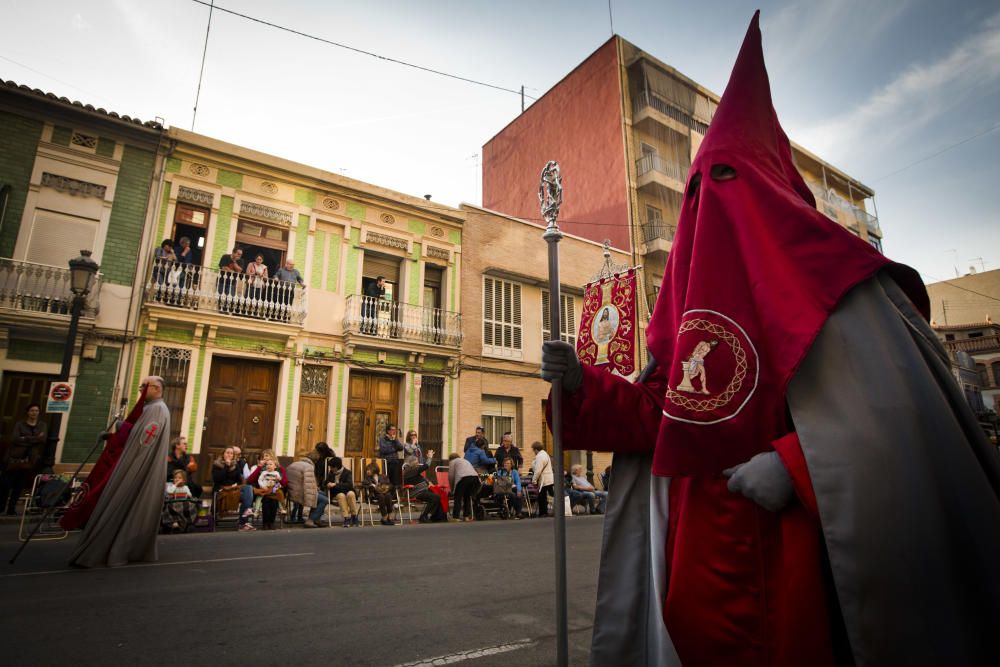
pixel 550 195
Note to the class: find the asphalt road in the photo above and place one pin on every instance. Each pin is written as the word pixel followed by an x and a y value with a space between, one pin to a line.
pixel 471 594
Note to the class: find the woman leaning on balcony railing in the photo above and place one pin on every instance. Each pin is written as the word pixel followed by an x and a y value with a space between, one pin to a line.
pixel 163 261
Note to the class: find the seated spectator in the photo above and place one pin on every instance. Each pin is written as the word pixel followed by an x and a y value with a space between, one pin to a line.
pixel 507 449
pixel 179 459
pixel 581 489
pixel 412 447
pixel 606 479
pixel 268 481
pixel 304 489
pixel 339 485
pixel 507 487
pixel 413 475
pixel 230 492
pixel 179 505
pixel 380 488
pixel 464 482
pixel 480 460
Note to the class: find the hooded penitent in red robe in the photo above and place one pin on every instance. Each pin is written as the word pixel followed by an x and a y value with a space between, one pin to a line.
pixel 753 277
pixel 90 491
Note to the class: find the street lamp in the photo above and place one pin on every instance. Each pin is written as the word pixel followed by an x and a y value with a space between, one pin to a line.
pixel 82 270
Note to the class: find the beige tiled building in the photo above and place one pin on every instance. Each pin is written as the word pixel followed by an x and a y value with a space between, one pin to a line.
pixel 505 320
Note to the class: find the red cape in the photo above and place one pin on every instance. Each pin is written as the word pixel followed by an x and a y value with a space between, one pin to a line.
pixel 90 491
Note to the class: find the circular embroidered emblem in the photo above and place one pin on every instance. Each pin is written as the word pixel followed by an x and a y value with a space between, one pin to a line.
pixel 717 372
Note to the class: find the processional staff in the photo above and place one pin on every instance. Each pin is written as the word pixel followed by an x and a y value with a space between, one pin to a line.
pixel 550 194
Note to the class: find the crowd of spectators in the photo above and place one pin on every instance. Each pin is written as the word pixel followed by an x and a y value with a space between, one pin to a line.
pixel 479 482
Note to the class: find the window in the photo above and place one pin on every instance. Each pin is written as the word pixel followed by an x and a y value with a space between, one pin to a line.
pixel 172 365
pixel 499 417
pixel 57 238
pixel 984 381
pixel 501 318
pixel 949 336
pixel 567 317
pixel 875 242
pixel 654 216
pixel 976 334
pixel 432 413
pixel 996 373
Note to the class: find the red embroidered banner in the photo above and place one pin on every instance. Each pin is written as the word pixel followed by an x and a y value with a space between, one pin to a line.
pixel 608 325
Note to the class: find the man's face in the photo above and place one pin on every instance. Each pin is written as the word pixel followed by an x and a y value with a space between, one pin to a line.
pixel 237 452
pixel 154 389
pixel 381 282
pixel 479 432
pixel 391 432
pixel 289 265
pixel 237 254
pixel 507 441
pixel 33 412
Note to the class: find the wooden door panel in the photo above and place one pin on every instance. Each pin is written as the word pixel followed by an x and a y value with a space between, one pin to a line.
pixel 385 390
pixel 354 440
pixel 222 431
pixel 225 376
pixel 312 423
pixel 358 387
pixel 261 380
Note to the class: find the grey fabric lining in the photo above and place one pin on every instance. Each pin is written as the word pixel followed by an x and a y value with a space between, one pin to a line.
pixel 907 486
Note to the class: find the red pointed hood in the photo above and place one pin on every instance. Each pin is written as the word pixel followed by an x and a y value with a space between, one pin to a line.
pixel 753 273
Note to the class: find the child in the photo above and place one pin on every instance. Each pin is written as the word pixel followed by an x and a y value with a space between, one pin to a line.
pixel 270 478
pixel 177 508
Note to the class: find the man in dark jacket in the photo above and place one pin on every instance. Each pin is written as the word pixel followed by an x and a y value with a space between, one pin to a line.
pixel 374 292
pixel 179 459
pixel 477 440
pixel 390 448
pixel 507 449
pixel 340 487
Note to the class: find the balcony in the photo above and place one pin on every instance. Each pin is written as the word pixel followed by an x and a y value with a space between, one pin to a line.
pixel 199 288
pixel 657 236
pixel 831 203
pixel 379 318
pixel 974 345
pixel 654 171
pixel 37 288
pixel 648 101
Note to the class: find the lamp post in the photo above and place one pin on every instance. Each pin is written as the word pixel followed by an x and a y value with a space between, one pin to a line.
pixel 82 270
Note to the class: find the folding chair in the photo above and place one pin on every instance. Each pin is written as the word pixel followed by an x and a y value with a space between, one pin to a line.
pixel 50 530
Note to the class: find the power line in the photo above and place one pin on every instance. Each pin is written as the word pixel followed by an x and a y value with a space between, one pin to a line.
pixel 934 155
pixel 357 50
pixel 951 283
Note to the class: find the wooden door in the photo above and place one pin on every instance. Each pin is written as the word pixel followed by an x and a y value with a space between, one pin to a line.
pixel 242 397
pixel 372 403
pixel 19 391
pixel 315 388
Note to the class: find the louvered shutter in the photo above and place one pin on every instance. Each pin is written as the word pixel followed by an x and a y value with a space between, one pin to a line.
pixel 57 238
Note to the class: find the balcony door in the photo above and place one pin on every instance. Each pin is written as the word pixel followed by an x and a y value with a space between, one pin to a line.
pixel 372 404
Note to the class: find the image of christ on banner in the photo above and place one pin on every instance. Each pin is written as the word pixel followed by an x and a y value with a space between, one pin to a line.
pixel 608 325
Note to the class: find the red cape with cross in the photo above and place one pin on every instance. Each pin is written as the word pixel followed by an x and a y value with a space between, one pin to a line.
pixel 86 498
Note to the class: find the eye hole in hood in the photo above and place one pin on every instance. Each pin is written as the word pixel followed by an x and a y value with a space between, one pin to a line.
pixel 723 172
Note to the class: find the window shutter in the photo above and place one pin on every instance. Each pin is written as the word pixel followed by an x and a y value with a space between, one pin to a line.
pixel 57 238
pixel 487 311
pixel 546 324
pixel 569 319
pixel 516 318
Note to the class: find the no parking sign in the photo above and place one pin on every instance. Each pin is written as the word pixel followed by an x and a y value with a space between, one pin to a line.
pixel 60 397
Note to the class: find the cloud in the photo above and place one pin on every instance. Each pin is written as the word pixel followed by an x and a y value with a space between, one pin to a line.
pixel 922 94
pixel 80 23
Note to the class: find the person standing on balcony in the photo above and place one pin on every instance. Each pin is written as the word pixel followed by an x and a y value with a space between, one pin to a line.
pixel 163 263
pixel 256 283
pixel 369 308
pixel 230 267
pixel 288 274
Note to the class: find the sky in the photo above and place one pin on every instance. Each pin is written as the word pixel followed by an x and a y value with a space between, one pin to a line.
pixel 903 95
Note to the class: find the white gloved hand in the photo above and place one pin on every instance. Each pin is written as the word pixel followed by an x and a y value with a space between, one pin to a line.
pixel 764 480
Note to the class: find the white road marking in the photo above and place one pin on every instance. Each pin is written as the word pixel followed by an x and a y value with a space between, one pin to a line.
pixel 471 654
pixel 138 565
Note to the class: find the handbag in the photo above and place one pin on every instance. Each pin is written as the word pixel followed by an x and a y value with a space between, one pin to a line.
pixel 503 484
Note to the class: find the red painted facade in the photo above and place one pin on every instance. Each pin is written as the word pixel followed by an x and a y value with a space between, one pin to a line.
pixel 578 123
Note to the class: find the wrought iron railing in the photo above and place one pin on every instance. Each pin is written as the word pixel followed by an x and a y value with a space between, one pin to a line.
pixel 382 318
pixel 42 289
pixel 658 230
pixel 646 99
pixel 202 288
pixel 652 162
pixel 860 215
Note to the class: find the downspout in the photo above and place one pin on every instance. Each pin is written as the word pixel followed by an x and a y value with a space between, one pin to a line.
pixel 5 193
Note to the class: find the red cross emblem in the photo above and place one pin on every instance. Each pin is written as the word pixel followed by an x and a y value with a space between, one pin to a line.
pixel 150 433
